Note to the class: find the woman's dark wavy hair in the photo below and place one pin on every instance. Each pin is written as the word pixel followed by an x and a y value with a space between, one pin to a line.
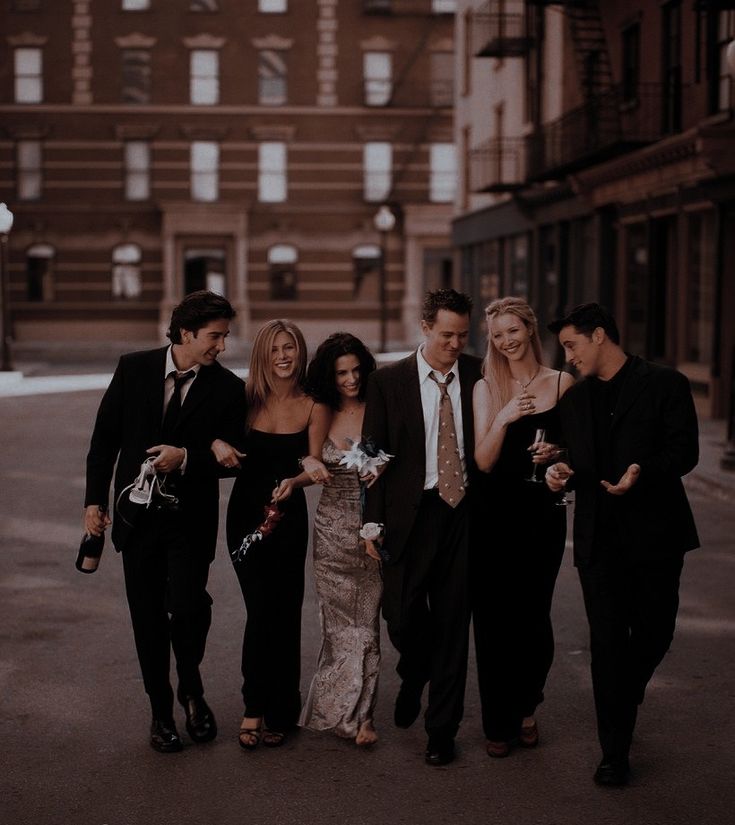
pixel 321 381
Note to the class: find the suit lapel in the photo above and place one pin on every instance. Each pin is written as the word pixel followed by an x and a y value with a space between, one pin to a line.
pixel 633 385
pixel 583 424
pixel 154 384
pixel 409 380
pixel 199 391
pixel 467 386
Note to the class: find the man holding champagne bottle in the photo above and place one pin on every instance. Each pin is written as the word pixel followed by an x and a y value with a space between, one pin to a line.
pixel 157 420
pixel 631 432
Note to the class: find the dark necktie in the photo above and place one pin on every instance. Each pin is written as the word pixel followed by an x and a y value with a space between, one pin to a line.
pixel 173 411
pixel 448 459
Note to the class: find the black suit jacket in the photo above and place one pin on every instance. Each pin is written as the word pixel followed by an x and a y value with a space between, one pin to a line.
pixel 129 422
pixel 394 420
pixel 654 425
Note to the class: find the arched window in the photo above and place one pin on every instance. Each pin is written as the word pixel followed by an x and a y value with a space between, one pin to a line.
pixel 126 280
pixel 40 272
pixel 366 259
pixel 282 275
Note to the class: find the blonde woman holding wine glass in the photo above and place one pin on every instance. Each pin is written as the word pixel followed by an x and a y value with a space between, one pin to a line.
pixel 517 557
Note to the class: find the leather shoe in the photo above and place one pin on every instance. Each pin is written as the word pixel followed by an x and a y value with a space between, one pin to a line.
pixel 613 773
pixel 439 752
pixel 200 723
pixel 408 705
pixel 164 736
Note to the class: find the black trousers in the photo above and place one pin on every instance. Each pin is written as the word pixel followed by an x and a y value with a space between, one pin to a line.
pixel 426 608
pixel 631 605
pixel 170 608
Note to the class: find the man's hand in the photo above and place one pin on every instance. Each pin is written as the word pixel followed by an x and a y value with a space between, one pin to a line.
pixel 96 521
pixel 168 459
pixel 628 479
pixel 226 454
pixel 557 476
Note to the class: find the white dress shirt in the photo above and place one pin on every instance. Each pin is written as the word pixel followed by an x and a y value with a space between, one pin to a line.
pixel 430 395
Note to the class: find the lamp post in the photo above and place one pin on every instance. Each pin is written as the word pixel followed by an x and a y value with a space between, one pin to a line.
pixel 384 221
pixel 6 222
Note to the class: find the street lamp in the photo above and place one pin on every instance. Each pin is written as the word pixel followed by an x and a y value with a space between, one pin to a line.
pixel 6 222
pixel 384 221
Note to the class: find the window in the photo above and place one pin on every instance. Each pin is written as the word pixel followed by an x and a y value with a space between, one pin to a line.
pixel 26 5
pixel 631 42
pixel 671 68
pixel 377 72
pixel 443 182
pixel 272 6
pixel 365 260
pixel 272 172
pixel 204 170
pixel 205 269
pixel 136 76
pixel 137 170
pixel 203 5
pixel 126 281
pixel 442 78
pixel 272 88
pixel 444 6
pixel 723 78
pixel 282 275
pixel 135 5
pixel 29 170
pixel 204 80
pixel 28 76
pixel 40 272
pixel 377 168
pixel 702 288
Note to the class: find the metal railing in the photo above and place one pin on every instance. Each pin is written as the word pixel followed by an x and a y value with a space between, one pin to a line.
pixel 605 125
pixel 498 165
pixel 499 33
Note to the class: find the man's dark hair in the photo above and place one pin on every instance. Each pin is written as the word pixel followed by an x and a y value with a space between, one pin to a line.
pixel 448 299
pixel 321 382
pixel 585 318
pixel 196 311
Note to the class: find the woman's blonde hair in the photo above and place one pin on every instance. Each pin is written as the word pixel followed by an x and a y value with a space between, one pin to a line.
pixel 495 367
pixel 260 382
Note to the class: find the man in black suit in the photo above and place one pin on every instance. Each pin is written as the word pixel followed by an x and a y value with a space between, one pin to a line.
pixel 631 430
pixel 170 403
pixel 420 410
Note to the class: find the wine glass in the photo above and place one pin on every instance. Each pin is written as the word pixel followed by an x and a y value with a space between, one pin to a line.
pixel 537 439
pixel 562 457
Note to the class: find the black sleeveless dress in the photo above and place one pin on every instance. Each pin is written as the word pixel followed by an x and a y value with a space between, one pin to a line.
pixel 271 577
pixel 517 553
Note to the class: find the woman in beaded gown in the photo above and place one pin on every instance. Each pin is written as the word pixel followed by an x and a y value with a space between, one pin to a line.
pixel 284 425
pixel 517 551
pixel 343 691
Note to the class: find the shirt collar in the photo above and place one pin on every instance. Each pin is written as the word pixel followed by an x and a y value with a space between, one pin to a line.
pixel 425 368
pixel 171 366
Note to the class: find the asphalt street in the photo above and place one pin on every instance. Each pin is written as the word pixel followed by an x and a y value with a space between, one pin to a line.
pixel 74 717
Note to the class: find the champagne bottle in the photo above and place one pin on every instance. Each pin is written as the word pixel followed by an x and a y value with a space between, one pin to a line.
pixel 90 551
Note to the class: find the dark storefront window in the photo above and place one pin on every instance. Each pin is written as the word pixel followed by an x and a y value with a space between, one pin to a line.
pixel 700 304
pixel 636 258
pixel 671 68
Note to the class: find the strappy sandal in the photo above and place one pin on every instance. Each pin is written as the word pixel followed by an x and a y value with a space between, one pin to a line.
pixel 273 738
pixel 251 732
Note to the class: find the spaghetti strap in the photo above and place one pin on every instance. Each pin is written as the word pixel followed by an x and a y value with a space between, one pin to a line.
pixel 311 410
pixel 558 386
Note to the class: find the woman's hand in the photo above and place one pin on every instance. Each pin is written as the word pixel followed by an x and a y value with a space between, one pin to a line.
pixel 518 406
pixel 283 491
pixel 226 454
pixel 315 469
pixel 557 476
pixel 371 549
pixel 544 452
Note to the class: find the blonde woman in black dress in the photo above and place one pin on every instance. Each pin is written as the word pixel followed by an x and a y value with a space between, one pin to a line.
pixel 517 553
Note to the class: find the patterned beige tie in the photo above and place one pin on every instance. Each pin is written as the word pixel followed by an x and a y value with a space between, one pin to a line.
pixel 449 462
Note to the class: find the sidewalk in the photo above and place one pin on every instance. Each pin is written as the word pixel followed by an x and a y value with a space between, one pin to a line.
pixel 708 478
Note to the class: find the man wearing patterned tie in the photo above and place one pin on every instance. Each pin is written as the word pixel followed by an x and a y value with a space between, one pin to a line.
pixel 170 404
pixel 420 410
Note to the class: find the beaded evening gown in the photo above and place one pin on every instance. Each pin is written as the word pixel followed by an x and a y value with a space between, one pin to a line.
pixel 343 691
pixel 517 552
pixel 271 577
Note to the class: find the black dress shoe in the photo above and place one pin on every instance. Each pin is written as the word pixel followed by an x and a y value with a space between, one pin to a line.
pixel 439 752
pixel 164 736
pixel 613 773
pixel 408 705
pixel 200 722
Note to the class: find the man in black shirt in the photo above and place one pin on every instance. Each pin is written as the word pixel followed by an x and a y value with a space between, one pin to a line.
pixel 631 431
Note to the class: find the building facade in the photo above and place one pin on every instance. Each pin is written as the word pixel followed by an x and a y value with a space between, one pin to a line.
pixel 612 178
pixel 149 148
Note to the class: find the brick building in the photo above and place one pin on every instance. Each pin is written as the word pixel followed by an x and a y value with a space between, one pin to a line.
pixel 150 147
pixel 597 163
